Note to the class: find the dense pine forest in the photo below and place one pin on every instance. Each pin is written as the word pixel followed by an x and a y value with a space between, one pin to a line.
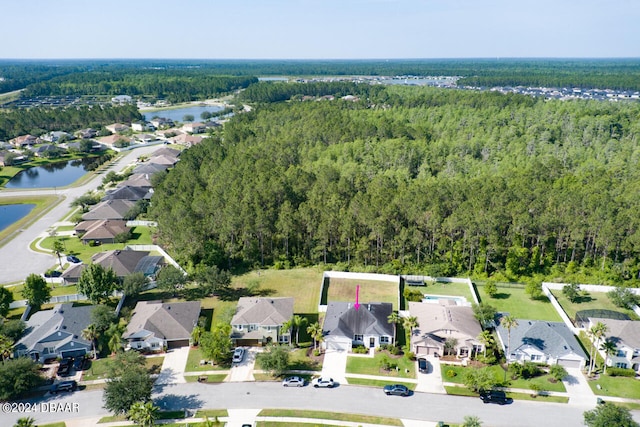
pixel 417 180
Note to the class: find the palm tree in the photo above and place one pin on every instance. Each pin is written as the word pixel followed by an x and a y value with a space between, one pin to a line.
pixel 487 340
pixel 196 334
pixel 298 322
pixel 58 247
pixel 315 330
pixel 508 322
pixel 115 337
pixel 25 422
pixel 609 348
pixel 596 333
pixel 410 323
pixel 90 333
pixel 143 414
pixel 6 344
pixel 394 318
pixel 471 421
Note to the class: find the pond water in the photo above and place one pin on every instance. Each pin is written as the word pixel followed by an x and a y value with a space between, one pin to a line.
pixel 177 114
pixel 53 175
pixel 12 213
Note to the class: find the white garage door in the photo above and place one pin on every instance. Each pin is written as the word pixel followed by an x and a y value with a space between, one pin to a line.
pixel 568 363
pixel 338 345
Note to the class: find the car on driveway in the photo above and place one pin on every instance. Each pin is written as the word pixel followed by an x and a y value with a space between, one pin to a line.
pixel 495 396
pixel 423 365
pixel 293 382
pixel 64 368
pixel 79 363
pixel 238 355
pixel 323 382
pixel 63 386
pixel 396 390
pixel 73 259
pixel 52 273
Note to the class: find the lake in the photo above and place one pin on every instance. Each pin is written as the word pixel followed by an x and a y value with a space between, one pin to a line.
pixel 12 213
pixel 177 114
pixel 56 174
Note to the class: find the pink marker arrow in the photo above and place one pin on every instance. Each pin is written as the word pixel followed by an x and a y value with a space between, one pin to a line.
pixel 357 304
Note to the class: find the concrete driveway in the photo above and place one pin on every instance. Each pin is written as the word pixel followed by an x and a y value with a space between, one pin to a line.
pixel 335 365
pixel 580 394
pixel 243 371
pixel 173 366
pixel 431 382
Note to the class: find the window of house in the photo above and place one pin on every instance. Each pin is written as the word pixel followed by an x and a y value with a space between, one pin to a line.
pixel 239 327
pixel 621 365
pixel 464 352
pixel 358 338
pixel 535 357
pixel 384 339
pixel 621 353
pixel 154 345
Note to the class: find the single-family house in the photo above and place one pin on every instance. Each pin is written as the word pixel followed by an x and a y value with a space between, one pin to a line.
pixel 186 139
pixel 56 136
pixel 101 230
pixel 347 325
pixel 542 342
pixel 46 150
pixel 259 321
pixel 141 126
pixel 55 333
pixel 194 127
pixel 161 122
pixel 122 99
pixel 126 262
pixel 166 151
pixel 444 321
pixel 163 159
pixel 126 192
pixel 23 141
pixel 625 334
pixel 141 180
pixel 155 325
pixel 149 168
pixel 115 140
pixel 117 128
pixel 87 133
pixel 145 138
pixel 109 209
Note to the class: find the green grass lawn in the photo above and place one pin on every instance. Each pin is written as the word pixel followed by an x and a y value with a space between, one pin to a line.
pixel 56 290
pixel 73 245
pixel 596 300
pixel 98 369
pixel 42 204
pixel 211 378
pixel 542 381
pixel 616 386
pixel 441 288
pixel 193 362
pixel 516 302
pixel 370 291
pixel 370 366
pixel 463 391
pixel 354 418
pixel 298 360
pixel 379 383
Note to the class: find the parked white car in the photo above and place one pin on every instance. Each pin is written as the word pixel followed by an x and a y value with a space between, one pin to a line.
pixel 323 382
pixel 238 355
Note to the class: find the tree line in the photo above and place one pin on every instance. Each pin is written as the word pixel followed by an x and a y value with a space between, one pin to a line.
pixel 415 180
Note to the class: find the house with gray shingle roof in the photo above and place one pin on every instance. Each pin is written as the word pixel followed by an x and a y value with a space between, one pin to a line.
pixel 441 321
pixel 542 342
pixel 109 209
pixel 101 230
pixel 126 192
pixel 259 321
pixel 55 333
pixel 625 334
pixel 345 325
pixel 156 325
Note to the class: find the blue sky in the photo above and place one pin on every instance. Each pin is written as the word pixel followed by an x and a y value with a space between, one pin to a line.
pixel 331 29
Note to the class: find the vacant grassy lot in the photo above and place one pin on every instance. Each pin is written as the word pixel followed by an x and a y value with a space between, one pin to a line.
pixel 595 300
pixel 303 284
pixel 193 362
pixel 98 369
pixel 370 291
pixel 516 302
pixel 616 386
pixel 498 373
pixel 73 245
pixel 354 418
pixel 371 366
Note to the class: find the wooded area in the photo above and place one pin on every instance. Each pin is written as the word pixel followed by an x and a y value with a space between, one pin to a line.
pixel 417 180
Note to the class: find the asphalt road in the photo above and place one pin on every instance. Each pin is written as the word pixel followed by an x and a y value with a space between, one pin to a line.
pixel 354 399
pixel 17 261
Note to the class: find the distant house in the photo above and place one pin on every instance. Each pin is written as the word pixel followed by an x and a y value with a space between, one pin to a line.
pixel 126 262
pixel 141 180
pixel 117 128
pixel 625 334
pixel 166 151
pixel 55 333
pixel 194 127
pixel 259 321
pixel 149 168
pixel 439 322
pixel 122 99
pixel 47 149
pixel 127 192
pixel 542 342
pixel 156 325
pixel 187 140
pixel 87 133
pixel 163 159
pixel 115 140
pixel 102 230
pixel 109 209
pixel 23 141
pixel 56 136
pixel 141 126
pixel 345 326
pixel 161 122
pixel 145 138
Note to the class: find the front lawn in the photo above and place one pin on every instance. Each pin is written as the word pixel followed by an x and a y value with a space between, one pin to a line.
pixel 616 387
pixel 298 360
pixel 98 369
pixel 515 301
pixel 498 373
pixel 378 383
pixel 323 415
pixel 193 362
pixel 371 366
pixel 370 291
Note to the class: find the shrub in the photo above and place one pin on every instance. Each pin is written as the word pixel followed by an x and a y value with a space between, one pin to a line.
pixel 451 373
pixel 360 349
pixel 413 295
pixel 558 372
pixel 621 372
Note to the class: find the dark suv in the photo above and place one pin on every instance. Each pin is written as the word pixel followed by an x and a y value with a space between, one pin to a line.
pixel 64 368
pixel 495 396
pixel 64 386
